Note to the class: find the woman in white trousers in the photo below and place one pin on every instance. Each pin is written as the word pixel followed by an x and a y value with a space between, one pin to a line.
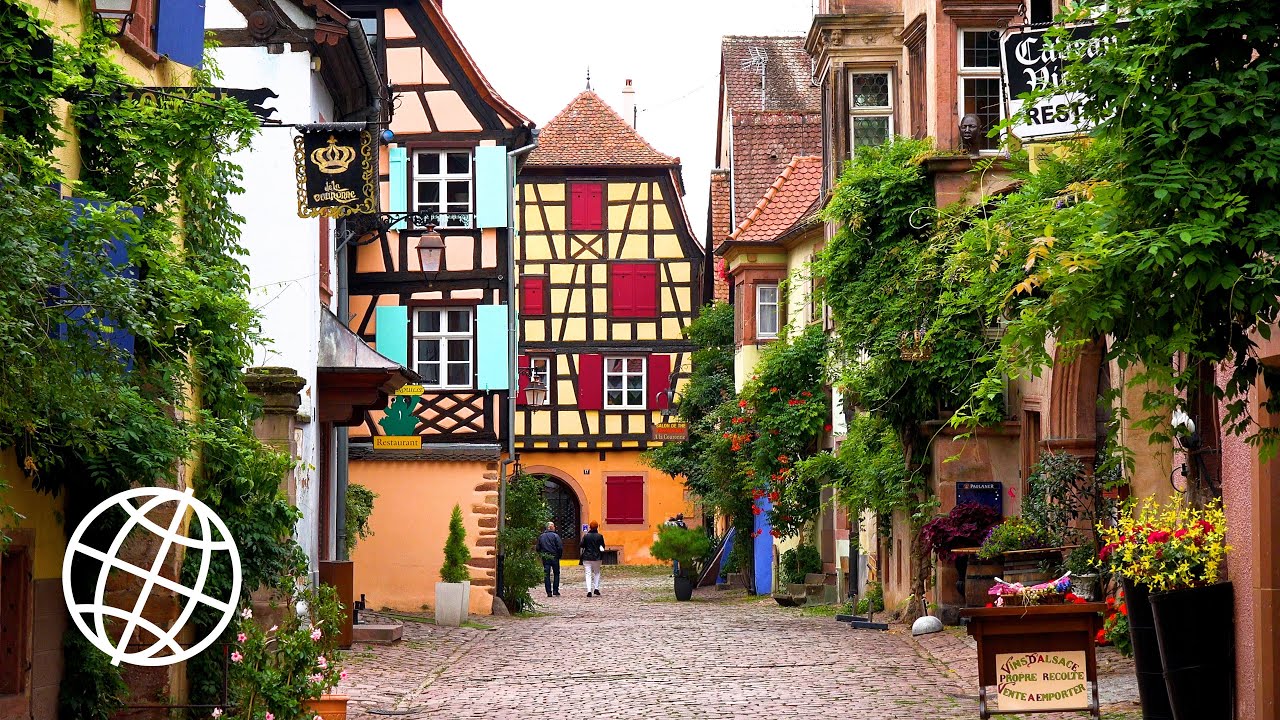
pixel 592 556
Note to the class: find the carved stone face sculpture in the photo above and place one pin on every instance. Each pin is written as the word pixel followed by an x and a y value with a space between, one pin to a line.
pixel 969 131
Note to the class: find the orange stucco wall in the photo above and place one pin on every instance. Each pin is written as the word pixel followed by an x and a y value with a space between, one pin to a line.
pixel 398 566
pixel 585 472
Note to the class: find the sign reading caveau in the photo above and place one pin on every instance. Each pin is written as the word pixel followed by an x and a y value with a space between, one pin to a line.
pixel 337 171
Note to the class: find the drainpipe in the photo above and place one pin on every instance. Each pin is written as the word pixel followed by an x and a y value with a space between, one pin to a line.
pixel 513 352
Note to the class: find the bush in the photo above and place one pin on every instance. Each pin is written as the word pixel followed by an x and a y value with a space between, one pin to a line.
pixel 966 525
pixel 800 561
pixel 456 552
pixel 359 508
pixel 526 516
pixel 1012 534
pixel 872 600
pixel 687 546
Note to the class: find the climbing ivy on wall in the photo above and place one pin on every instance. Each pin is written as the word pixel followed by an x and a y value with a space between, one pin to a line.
pixel 86 418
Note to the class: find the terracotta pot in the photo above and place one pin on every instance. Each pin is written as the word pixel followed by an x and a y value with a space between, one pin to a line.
pixel 329 707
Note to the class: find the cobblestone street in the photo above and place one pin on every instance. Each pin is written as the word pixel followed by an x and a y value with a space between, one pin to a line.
pixel 636 653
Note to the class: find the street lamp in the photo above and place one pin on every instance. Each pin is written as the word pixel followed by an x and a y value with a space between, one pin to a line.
pixel 670 409
pixel 535 393
pixel 113 16
pixel 430 251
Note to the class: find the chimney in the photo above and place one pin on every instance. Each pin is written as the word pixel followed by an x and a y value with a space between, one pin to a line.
pixel 629 101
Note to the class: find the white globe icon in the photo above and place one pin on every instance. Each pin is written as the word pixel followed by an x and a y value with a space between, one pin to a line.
pixel 154 654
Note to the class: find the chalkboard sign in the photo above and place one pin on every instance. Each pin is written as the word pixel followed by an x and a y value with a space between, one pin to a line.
pixel 983 493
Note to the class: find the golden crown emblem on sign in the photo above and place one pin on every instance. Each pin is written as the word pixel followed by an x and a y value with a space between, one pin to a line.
pixel 333 158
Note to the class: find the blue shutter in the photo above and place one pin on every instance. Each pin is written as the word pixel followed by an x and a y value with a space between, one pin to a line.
pixel 399 176
pixel 391 333
pixel 117 251
pixel 493 189
pixel 180 31
pixel 492 351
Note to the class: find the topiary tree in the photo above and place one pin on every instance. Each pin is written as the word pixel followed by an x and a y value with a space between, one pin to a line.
pixel 456 552
pixel 687 546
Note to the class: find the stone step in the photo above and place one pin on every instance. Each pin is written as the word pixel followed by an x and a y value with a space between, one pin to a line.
pixel 377 634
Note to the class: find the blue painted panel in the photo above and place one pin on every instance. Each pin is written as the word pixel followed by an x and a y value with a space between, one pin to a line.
pixel 493 369
pixel 116 250
pixel 180 31
pixel 493 187
pixel 392 333
pixel 763 548
pixel 724 556
pixel 398 162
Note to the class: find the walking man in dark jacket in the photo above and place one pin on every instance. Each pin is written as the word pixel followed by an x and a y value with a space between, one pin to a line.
pixel 551 548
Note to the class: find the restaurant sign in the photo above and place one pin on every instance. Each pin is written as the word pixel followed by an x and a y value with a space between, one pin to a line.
pixel 1051 680
pixel 337 171
pixel 1032 62
pixel 397 442
pixel 670 432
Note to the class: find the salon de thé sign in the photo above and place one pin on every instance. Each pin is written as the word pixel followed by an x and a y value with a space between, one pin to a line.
pixel 337 171
pixel 1033 62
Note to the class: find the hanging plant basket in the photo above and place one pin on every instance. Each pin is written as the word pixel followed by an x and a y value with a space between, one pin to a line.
pixel 913 347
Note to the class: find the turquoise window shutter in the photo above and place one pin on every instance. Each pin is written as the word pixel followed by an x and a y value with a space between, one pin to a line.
pixel 493 188
pixel 399 175
pixel 492 352
pixel 392 334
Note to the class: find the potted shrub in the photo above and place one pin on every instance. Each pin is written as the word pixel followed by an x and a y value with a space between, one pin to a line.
pixel 1170 558
pixel 453 592
pixel 686 547
pixel 285 672
pixel 966 525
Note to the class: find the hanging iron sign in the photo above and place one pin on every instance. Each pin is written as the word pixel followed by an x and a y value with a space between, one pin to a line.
pixel 1031 62
pixel 255 100
pixel 337 170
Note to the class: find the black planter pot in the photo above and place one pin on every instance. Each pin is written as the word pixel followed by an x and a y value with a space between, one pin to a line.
pixel 684 588
pixel 1196 631
pixel 1152 692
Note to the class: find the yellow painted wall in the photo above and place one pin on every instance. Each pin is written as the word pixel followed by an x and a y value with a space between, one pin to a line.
pixel 798 279
pixel 41 513
pixel 585 472
pixel 399 565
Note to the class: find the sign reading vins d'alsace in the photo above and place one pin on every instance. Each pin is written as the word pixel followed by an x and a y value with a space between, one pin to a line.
pixel 1038 681
pixel 337 172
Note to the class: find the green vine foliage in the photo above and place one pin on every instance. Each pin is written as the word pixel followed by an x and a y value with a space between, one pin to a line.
pixel 359 509
pixel 1164 236
pixel 527 514
pixel 86 420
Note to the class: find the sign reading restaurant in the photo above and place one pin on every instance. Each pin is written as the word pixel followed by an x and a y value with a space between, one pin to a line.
pixel 337 170
pixel 1032 62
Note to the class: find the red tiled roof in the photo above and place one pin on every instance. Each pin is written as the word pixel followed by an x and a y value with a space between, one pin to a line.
pixel 590 133
pixel 788 201
pixel 763 144
pixel 788 83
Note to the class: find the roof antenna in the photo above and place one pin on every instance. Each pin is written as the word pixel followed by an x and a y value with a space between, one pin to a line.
pixel 757 59
pixel 588 77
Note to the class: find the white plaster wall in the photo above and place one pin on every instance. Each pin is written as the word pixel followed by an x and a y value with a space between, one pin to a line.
pixel 283 249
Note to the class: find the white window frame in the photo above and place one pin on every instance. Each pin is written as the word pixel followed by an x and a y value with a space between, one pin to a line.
pixel 777 311
pixel 443 178
pixel 965 72
pixel 443 337
pixel 625 375
pixel 540 367
pixel 877 111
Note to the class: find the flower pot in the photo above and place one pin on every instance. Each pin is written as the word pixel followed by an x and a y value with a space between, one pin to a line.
pixel 453 603
pixel 1196 635
pixel 1152 691
pixel 329 707
pixel 1086 586
pixel 684 588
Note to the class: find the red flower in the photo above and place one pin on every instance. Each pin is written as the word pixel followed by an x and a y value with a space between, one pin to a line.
pixel 1101 637
pixel 1071 597
pixel 1106 551
pixel 775 533
pixel 757 494
pixel 991 604
pixel 806 393
pixel 783 459
pixel 1205 526
pixel 755 510
pixel 773 389
pixel 773 496
pixel 1158 536
pixel 742 403
pixel 826 428
pixel 1111 602
pixel 1124 609
pixel 793 402
pixel 1180 533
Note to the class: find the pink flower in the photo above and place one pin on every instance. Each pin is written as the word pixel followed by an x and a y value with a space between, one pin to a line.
pixel 217 712
pixel 241 637
pixel 274 628
pixel 246 613
pixel 269 716
pixel 322 662
pixel 236 656
pixel 315 634
pixel 342 675
pixel 317 678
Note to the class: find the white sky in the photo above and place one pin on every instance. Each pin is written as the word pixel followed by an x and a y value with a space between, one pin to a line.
pixel 536 54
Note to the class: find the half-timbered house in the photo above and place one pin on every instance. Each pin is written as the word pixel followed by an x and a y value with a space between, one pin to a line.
pixel 447 170
pixel 609 276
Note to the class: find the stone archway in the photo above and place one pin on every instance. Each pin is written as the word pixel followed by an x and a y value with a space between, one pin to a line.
pixel 567 502
pixel 1073 401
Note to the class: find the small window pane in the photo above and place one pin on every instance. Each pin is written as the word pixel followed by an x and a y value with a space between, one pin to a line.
pixel 634 398
pixel 459 321
pixel 428 350
pixel 768 294
pixel 870 131
pixel 460 350
pixel 869 90
pixel 982 98
pixel 428 163
pixel 614 397
pixel 459 191
pixel 430 373
pixel 459 373
pixel 613 382
pixel 429 192
pixel 981 49
pixel 635 382
pixel 635 365
pixel 459 164
pixel 428 321
pixel 615 365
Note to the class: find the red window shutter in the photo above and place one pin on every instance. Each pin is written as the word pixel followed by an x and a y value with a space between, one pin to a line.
pixel 633 290
pixel 533 294
pixel 586 206
pixel 659 380
pixel 522 363
pixel 646 290
pixel 590 382
pixel 625 502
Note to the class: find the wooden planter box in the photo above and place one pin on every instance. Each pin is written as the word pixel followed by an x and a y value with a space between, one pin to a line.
pixel 1040 658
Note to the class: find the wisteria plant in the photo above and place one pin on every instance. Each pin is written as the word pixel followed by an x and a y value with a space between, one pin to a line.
pixel 274 671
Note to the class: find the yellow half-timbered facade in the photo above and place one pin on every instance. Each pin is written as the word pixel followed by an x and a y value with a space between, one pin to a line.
pixel 609 275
